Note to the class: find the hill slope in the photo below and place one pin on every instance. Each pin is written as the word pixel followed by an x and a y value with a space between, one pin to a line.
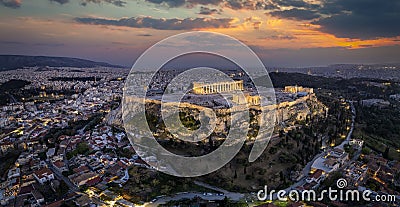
pixel 10 62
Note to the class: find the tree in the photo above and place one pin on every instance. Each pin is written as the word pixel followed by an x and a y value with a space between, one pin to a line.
pixel 366 151
pixel 82 148
pixel 225 201
pixel 62 189
pixel 386 153
pixel 42 155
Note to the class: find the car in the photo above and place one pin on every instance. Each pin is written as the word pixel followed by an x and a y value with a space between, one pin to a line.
pixel 154 200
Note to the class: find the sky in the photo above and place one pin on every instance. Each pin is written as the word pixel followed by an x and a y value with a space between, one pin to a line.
pixel 283 33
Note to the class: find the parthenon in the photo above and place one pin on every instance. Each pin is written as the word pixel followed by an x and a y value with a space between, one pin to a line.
pixel 220 87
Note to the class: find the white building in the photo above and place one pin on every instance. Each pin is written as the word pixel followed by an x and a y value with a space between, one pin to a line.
pixel 50 153
pixel 356 143
pixel 395 97
pixel 13 173
pixel 375 102
pixel 43 175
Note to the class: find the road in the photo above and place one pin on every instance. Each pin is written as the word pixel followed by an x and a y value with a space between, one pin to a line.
pixel 60 176
pixel 12 98
pixel 353 119
pixel 206 196
pixel 230 195
pixel 184 195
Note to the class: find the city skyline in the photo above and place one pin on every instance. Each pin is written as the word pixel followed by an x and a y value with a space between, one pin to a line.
pixel 283 33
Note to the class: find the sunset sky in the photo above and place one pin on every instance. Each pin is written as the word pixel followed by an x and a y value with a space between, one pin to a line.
pixel 289 33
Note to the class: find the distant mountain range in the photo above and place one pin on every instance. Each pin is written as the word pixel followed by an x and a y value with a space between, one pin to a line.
pixel 11 62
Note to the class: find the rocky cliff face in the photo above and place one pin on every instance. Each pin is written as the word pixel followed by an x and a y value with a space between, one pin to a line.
pixel 287 112
pixel 114 118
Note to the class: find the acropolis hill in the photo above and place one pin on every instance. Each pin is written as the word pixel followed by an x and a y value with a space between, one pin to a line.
pixel 293 103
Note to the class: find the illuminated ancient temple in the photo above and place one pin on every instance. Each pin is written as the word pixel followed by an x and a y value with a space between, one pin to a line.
pixel 220 87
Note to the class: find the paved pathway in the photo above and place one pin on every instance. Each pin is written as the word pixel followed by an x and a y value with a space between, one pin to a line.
pixel 60 176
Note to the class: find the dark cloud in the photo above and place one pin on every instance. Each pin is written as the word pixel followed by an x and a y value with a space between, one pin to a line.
pixel 179 3
pixel 296 4
pixel 256 25
pixel 255 22
pixel 298 14
pixel 60 1
pixel 364 19
pixel 208 11
pixel 233 4
pixel 362 27
pixel 205 2
pixel 145 35
pixel 249 5
pixel 161 24
pixel 280 37
pixel 118 3
pixel 170 3
pixel 11 3
pixel 271 6
pixel 358 19
pixel 366 7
